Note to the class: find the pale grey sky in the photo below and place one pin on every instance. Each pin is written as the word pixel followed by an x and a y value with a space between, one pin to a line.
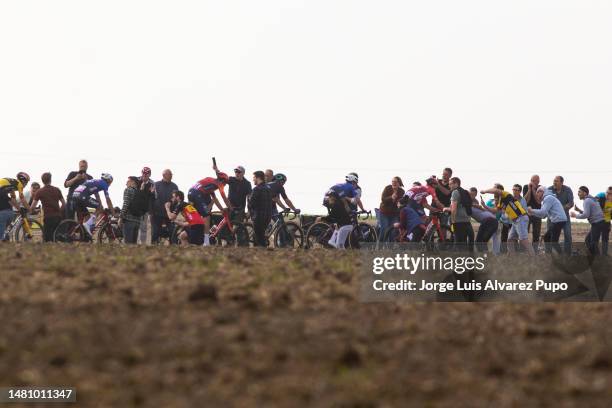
pixel 314 89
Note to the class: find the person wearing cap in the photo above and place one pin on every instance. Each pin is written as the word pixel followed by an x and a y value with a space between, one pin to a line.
pixel 147 188
pixel 592 211
pixel 129 220
pixel 159 215
pixel 239 191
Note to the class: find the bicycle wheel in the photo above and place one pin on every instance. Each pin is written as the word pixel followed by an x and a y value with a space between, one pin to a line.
pixel 318 235
pixel 69 231
pixel 109 233
pixel 241 236
pixel 391 234
pixel 35 229
pixel 288 235
pixel 364 233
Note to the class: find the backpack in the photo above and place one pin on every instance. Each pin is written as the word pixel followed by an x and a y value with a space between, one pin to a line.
pixel 140 204
pixel 602 201
pixel 465 200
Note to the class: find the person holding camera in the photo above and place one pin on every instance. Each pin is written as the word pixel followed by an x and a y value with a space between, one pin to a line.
pixel 75 179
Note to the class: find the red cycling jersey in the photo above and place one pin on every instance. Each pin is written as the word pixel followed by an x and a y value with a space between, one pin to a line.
pixel 208 185
pixel 420 193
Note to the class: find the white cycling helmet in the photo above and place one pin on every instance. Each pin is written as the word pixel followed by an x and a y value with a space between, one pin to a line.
pixel 351 178
pixel 107 177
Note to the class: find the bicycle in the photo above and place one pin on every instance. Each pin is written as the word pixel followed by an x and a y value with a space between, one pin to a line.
pixel 433 226
pixel 286 234
pixel 228 232
pixel 106 227
pixel 24 229
pixel 320 232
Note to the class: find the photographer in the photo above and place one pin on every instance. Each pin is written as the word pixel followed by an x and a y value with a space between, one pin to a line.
pixel 75 179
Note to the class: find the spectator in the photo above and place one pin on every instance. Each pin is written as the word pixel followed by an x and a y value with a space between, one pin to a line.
pixel 488 222
pixel 159 216
pixel 592 212
pixel 500 239
pixel 129 219
pixel 269 176
pixel 605 201
pixel 552 209
pixel 389 211
pixel 535 223
pixel 566 196
pixel 443 190
pixel 29 195
pixel 460 211
pixel 260 208
pixel 239 191
pixel 514 206
pixel 51 198
pixel 75 179
pixel 147 188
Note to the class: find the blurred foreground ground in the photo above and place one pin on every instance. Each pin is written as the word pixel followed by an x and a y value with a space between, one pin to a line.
pixel 171 327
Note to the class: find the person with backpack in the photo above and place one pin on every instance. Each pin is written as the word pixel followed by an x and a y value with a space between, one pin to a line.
pixel 605 202
pixel 460 212
pixel 131 212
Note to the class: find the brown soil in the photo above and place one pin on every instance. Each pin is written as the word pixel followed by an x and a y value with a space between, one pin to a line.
pixel 171 327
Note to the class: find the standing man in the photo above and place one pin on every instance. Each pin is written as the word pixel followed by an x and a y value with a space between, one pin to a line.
pixel 260 208
pixel 130 218
pixel 605 201
pixel 566 196
pixel 592 212
pixel 75 179
pixel 443 189
pixel 535 222
pixel 147 189
pixel 552 209
pixel 159 215
pixel 460 211
pixel 269 175
pixel 239 191
pixel 51 198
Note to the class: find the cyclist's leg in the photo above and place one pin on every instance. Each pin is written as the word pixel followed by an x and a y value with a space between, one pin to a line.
pixel 195 234
pixel 343 233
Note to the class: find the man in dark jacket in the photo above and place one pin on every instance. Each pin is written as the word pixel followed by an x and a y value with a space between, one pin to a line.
pixel 159 217
pixel 260 208
pixel 75 179
pixel 239 190
pixel 129 220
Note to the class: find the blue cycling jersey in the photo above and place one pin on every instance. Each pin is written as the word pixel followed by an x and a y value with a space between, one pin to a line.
pixel 91 187
pixel 345 190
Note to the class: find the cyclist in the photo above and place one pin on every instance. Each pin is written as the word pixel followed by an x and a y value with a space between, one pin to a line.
pixel 515 210
pixel 193 226
pixel 358 203
pixel 202 196
pixel 346 191
pixel 82 199
pixel 277 190
pixel 411 225
pixel 8 199
pixel 417 197
pixel 339 215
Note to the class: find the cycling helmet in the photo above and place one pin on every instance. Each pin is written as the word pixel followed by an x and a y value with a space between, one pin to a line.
pixel 146 170
pixel 355 174
pixel 107 177
pixel 23 177
pixel 280 177
pixel 222 177
pixel 351 178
